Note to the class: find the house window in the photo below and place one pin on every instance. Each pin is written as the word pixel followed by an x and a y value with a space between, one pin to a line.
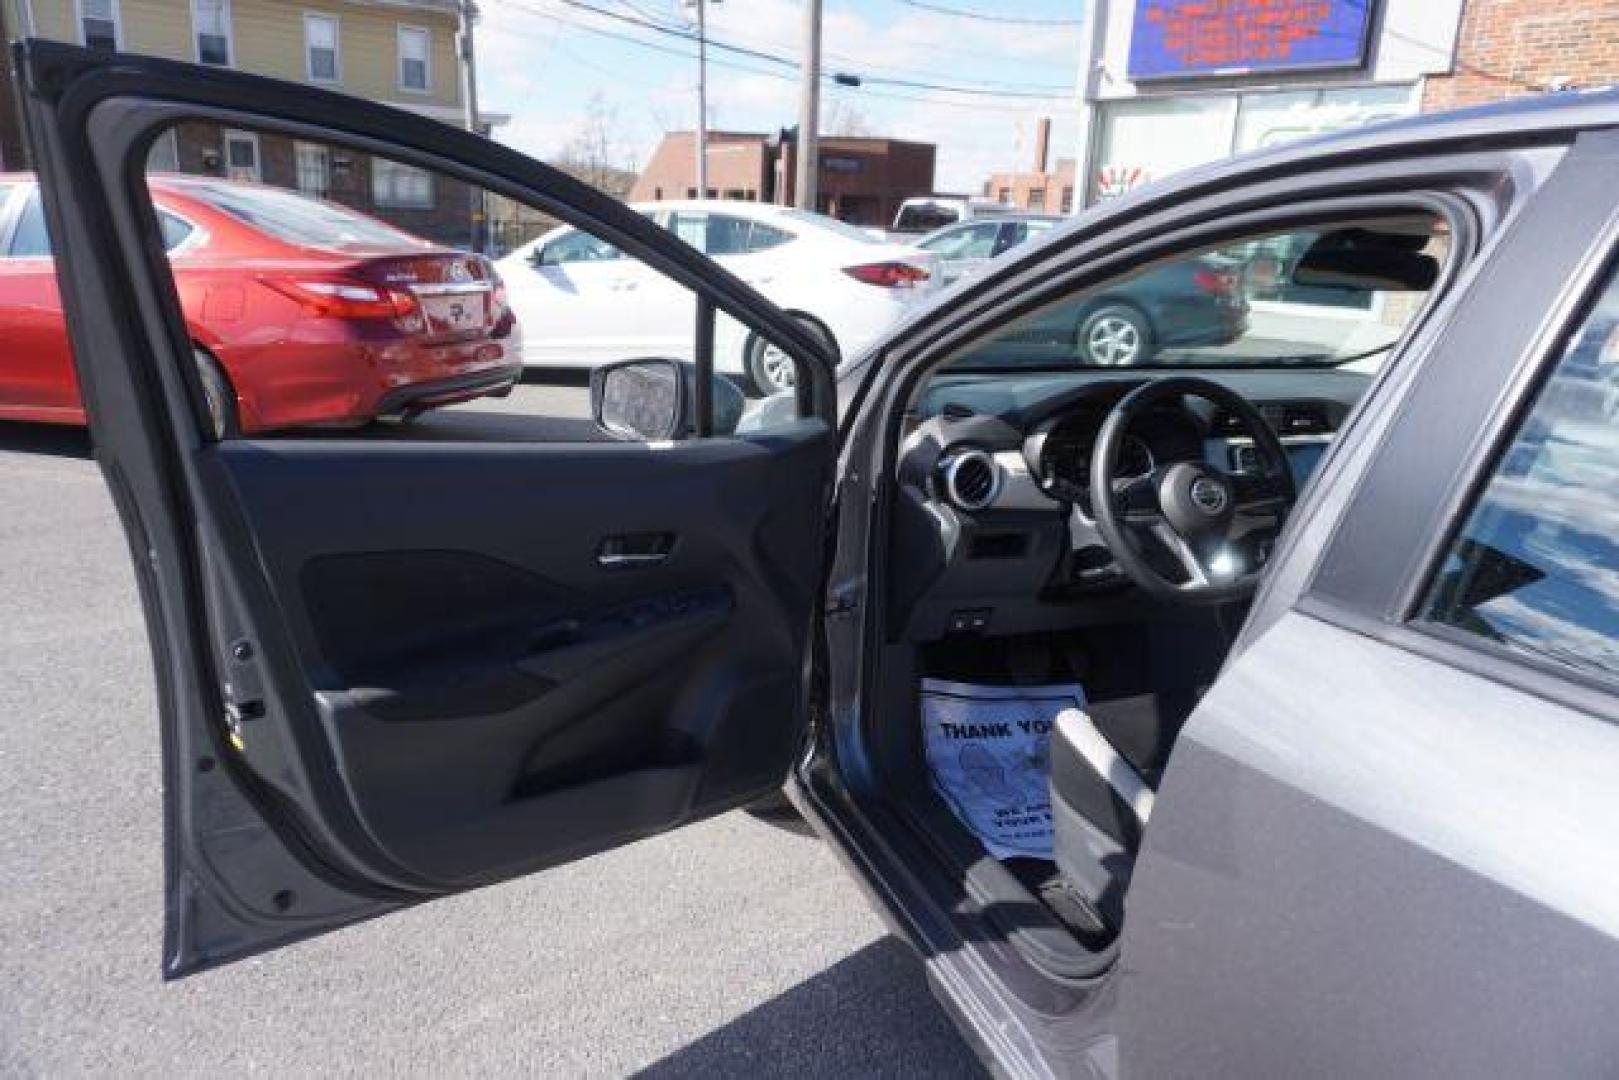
pixel 314 169
pixel 415 58
pixel 1068 200
pixel 1037 198
pixel 210 22
pixel 322 62
pixel 99 25
pixel 400 186
pixel 1004 195
pixel 241 155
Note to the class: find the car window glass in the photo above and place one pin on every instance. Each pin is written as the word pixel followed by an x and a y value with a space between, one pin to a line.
pixel 1535 567
pixel 296 218
pixel 845 231
pixel 692 228
pixel 176 230
pixel 925 217
pixel 1329 296
pixel 762 237
pixel 966 242
pixel 30 239
pixel 406 305
pixel 574 246
pixel 727 235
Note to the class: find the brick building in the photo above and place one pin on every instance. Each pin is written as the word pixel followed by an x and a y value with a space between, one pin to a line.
pixel 401 53
pixel 863 180
pixel 1041 190
pixel 1511 48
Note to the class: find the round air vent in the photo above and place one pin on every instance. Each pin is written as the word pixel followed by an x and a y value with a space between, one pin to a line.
pixel 971 479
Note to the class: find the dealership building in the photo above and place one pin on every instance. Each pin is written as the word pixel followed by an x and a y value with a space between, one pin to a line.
pixel 1169 84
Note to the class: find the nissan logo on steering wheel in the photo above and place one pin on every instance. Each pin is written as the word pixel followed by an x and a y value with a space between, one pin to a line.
pixel 1209 495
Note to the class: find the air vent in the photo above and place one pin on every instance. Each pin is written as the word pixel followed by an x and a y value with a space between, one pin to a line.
pixel 1285 417
pixel 1303 418
pixel 971 479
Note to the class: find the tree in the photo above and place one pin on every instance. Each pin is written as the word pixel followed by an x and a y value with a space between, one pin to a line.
pixel 593 154
pixel 842 118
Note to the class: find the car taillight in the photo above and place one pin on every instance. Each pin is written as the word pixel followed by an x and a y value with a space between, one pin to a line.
pixel 343 298
pixel 1214 281
pixel 888 275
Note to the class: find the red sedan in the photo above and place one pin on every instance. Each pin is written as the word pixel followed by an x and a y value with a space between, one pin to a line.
pixel 301 312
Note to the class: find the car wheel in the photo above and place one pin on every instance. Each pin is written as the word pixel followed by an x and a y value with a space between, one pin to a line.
pixel 1114 336
pixel 770 370
pixel 223 418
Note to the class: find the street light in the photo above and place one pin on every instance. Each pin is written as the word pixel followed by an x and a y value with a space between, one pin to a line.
pixel 701 7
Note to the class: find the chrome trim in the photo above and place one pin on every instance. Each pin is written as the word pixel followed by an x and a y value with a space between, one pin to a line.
pixel 623 560
pixel 950 467
pixel 447 288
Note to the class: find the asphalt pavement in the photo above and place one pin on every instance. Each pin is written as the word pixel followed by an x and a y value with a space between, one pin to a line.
pixel 732 947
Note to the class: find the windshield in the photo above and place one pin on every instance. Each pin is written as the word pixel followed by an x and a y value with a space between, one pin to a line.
pixel 1338 295
pixel 303 221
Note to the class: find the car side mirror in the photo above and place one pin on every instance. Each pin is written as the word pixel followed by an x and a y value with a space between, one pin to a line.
pixel 642 400
pixel 653 400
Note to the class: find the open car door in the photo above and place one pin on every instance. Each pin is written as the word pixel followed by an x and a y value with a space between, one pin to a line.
pixel 391 669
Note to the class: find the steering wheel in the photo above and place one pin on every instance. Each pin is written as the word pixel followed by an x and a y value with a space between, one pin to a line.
pixel 1192 510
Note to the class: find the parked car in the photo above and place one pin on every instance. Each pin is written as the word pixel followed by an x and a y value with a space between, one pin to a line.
pixel 966 246
pixel 1179 305
pixel 1335 794
pixel 1185 303
pixel 582 303
pixel 301 312
pixel 925 213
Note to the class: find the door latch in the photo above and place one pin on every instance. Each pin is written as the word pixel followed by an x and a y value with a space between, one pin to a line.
pixel 244 697
pixel 843 602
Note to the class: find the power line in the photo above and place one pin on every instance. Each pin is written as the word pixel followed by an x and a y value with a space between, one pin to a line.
pixel 863 65
pixel 1005 20
pixel 788 62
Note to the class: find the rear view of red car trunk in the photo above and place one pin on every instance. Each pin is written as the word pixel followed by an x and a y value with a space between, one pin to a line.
pixel 303 312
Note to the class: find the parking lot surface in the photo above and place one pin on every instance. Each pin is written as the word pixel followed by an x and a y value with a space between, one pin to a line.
pixel 733 947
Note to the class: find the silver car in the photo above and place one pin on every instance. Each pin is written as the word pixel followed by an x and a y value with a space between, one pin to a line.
pixel 1335 604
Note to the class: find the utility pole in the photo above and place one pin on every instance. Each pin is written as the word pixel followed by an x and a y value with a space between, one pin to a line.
pixel 469 98
pixel 702 93
pixel 809 111
pixel 702 99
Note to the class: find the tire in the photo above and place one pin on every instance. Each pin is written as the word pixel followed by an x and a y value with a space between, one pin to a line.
pixel 223 416
pixel 1114 335
pixel 769 370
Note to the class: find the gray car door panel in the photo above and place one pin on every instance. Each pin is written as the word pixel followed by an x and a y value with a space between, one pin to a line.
pixel 1378 849
pixel 389 671
pixel 1378 863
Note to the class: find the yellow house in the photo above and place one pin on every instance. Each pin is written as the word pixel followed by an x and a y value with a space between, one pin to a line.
pixel 402 53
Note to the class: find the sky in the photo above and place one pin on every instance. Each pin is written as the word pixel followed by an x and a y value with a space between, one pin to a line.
pixel 542 62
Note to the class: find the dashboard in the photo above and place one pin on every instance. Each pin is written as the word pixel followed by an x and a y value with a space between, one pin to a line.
pixel 994 531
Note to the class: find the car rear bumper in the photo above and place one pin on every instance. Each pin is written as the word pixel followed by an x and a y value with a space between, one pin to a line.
pixel 405 400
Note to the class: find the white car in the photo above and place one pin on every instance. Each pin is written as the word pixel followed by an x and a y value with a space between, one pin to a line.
pixel 580 303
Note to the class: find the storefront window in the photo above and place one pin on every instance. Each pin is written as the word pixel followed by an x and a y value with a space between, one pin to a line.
pixel 1265 120
pixel 1147 139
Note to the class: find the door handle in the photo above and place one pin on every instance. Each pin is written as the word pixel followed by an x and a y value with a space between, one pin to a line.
pixel 624 285
pixel 636 550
